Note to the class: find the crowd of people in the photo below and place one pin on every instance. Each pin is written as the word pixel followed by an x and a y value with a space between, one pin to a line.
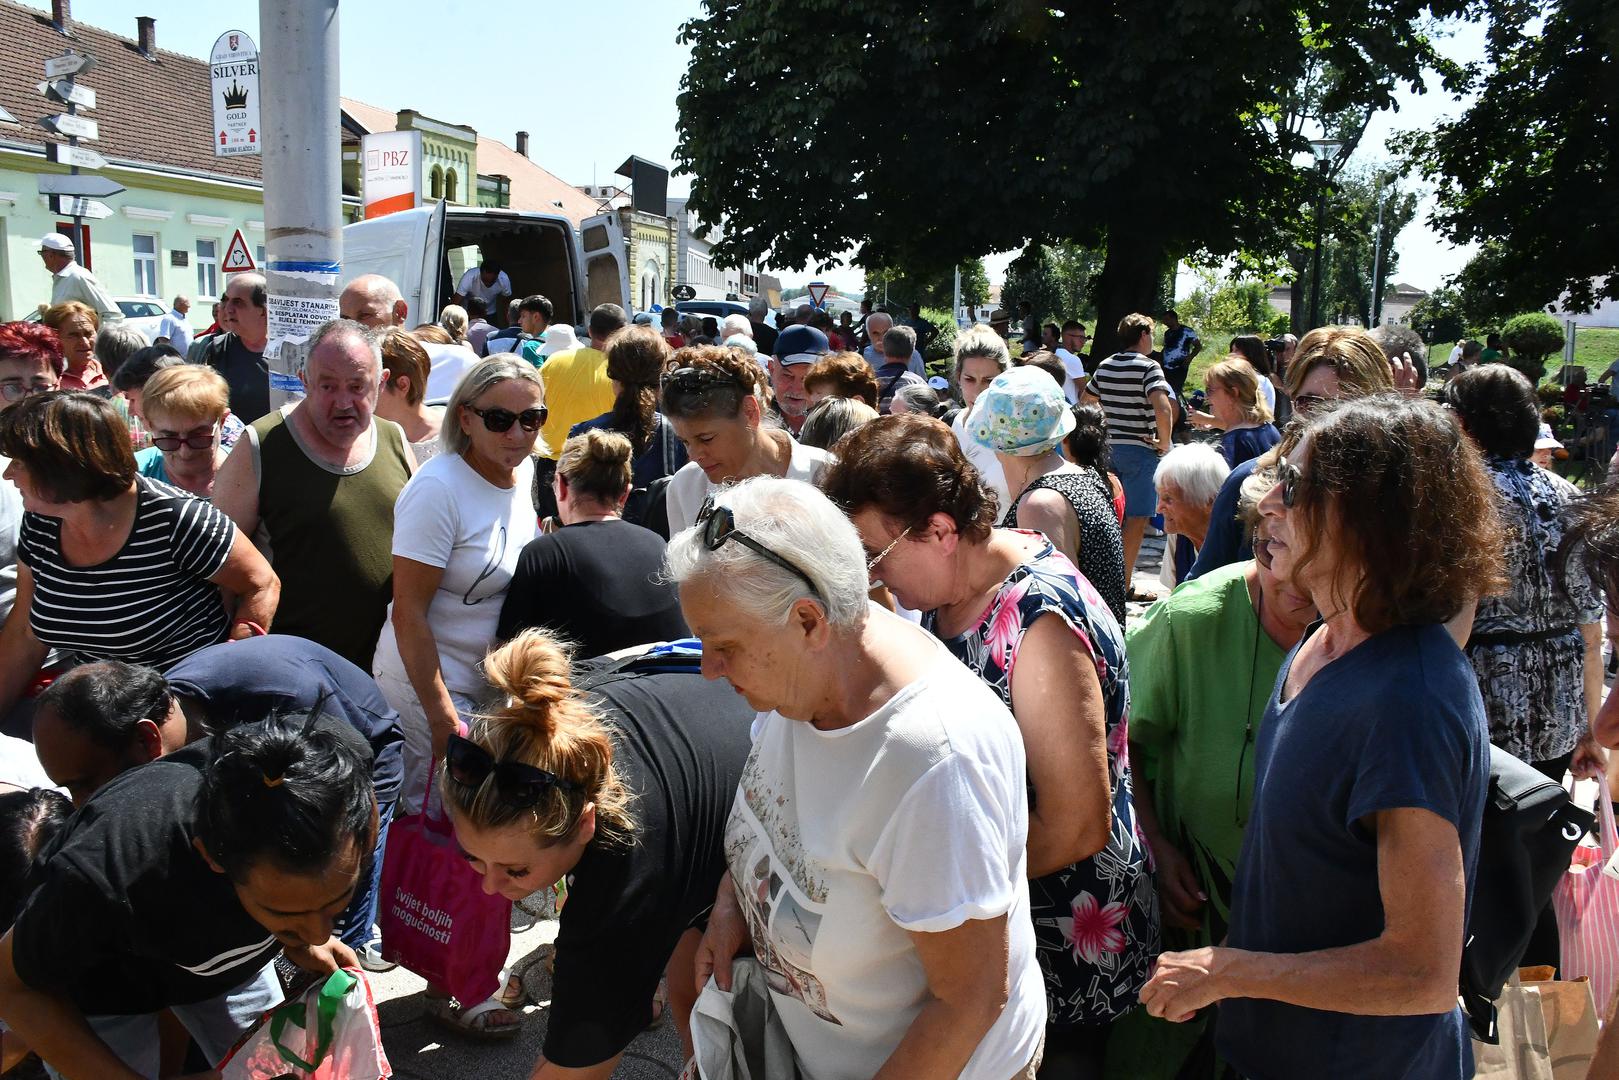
pixel 800 674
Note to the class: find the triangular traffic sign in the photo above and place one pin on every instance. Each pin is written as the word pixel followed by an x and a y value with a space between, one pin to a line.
pixel 817 291
pixel 237 257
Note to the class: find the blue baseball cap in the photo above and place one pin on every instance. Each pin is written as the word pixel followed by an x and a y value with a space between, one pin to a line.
pixel 801 345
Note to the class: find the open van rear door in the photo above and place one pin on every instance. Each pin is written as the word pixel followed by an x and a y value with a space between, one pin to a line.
pixel 407 248
pixel 606 262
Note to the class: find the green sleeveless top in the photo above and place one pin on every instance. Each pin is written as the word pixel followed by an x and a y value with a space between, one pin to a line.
pixel 329 535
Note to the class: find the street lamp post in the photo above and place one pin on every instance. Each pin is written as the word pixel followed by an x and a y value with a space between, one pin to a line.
pixel 1324 150
pixel 1377 259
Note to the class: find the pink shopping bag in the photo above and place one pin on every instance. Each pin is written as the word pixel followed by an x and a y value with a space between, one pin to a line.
pixel 330 1033
pixel 1587 903
pixel 436 919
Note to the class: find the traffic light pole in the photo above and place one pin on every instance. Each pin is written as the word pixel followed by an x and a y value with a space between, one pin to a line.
pixel 303 181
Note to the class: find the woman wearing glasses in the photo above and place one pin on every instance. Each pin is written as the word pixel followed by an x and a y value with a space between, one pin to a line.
pixel 459 525
pixel 1012 608
pixel 184 408
pixel 618 777
pixel 1203 661
pixel 1370 766
pixel 716 399
pixel 876 848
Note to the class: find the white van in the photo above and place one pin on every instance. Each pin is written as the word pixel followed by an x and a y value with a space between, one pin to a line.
pixel 425 251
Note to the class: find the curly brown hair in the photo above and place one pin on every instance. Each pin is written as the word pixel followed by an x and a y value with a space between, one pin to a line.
pixel 843 374
pixel 739 375
pixel 1410 507
pixel 910 467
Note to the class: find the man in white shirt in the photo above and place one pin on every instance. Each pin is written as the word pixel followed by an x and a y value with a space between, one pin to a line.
pixel 174 325
pixel 1072 354
pixel 70 281
pixel 488 281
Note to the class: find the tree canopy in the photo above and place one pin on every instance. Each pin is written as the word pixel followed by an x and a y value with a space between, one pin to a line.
pixel 923 133
pixel 1530 167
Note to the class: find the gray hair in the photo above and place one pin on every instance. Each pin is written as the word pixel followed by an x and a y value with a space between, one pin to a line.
pixel 758 305
pixel 881 318
pixel 832 418
pixel 495 369
pixel 1251 494
pixel 116 343
pixel 983 343
pixel 919 397
pixel 800 523
pixel 735 324
pixel 338 330
pixel 1196 470
pixel 899 341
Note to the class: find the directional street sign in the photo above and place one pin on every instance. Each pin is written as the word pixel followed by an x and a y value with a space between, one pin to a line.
pixel 68 92
pixel 76 156
pixel 89 208
pixel 88 186
pixel 68 124
pixel 70 63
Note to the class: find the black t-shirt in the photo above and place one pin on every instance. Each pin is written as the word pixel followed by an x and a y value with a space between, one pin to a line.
pixel 679 742
pixel 598 584
pixel 245 372
pixel 242 682
pixel 764 336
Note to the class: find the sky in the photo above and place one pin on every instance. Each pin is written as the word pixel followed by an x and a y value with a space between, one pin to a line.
pixel 596 82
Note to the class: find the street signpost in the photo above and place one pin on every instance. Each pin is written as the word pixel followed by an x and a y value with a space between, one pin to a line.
pixel 233 70
pixel 817 292
pixel 75 195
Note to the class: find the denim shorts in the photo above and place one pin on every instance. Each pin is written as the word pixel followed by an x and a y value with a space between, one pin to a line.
pixel 1135 465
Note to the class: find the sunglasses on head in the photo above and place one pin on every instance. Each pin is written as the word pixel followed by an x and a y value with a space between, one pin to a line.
pixel 499 420
pixel 521 786
pixel 719 525
pixel 172 443
pixel 691 380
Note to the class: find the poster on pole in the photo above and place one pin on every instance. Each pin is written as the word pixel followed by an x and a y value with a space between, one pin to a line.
pixel 234 73
pixel 390 172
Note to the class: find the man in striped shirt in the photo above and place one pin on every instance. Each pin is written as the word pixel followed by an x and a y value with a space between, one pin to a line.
pixel 1140 417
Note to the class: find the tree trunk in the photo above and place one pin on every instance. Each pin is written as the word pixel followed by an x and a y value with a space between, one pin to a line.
pixel 1298 309
pixel 1131 280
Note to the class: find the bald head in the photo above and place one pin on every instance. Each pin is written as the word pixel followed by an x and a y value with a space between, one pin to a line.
pixel 372 300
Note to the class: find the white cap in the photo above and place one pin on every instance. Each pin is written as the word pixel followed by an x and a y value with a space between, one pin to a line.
pixel 56 242
pixel 1545 440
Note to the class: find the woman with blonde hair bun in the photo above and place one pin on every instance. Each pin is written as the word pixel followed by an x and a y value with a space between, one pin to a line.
pixel 618 776
pixel 595 580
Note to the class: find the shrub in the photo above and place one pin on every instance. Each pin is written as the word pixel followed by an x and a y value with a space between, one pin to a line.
pixel 1532 337
pixel 943 345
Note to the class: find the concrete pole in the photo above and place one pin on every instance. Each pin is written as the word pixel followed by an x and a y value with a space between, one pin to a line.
pixel 303 180
pixel 955 304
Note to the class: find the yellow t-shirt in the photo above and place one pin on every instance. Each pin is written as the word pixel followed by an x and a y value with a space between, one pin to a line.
pixel 576 389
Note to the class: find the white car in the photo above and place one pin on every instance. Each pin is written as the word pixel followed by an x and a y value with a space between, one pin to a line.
pixel 140 312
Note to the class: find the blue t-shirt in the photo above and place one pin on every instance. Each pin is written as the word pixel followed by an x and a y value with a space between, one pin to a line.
pixel 1396 722
pixel 242 682
pixel 1226 541
pixel 149 462
pixel 1245 444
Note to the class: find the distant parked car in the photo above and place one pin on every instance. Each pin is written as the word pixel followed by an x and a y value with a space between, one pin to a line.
pixel 140 312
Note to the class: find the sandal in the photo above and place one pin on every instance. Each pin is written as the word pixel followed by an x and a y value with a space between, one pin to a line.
pixel 474 1023
pixel 660 1006
pixel 513 994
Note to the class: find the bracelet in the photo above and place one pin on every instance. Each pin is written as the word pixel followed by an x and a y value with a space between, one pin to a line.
pixel 257 630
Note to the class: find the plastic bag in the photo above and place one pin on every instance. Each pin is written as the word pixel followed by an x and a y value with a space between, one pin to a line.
pixel 330 1033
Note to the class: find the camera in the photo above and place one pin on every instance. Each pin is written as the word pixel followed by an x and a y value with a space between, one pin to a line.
pixel 1276 344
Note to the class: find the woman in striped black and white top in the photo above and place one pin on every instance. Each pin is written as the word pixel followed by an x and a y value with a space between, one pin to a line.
pixel 113 565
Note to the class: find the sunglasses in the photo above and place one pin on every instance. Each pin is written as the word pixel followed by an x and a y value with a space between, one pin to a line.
pixel 18 391
pixel 501 420
pixel 719 525
pixel 172 443
pixel 521 786
pixel 1305 404
pixel 1289 476
pixel 1262 554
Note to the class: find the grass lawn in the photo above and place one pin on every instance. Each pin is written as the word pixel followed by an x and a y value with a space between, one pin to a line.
pixel 1594 349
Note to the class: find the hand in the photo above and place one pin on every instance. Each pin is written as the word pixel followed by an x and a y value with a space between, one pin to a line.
pixel 1405 374
pixel 442 727
pixel 323 959
pixel 1182 983
pixel 1202 420
pixel 1590 762
pixel 727 933
pixel 1178 888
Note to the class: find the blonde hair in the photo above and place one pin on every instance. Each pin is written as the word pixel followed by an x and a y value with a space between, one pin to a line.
pixel 432 332
pixel 1351 352
pixel 1132 326
pixel 489 371
pixel 545 723
pixel 596 464
pixel 1238 378
pixel 187 390
pixel 57 315
pixel 454 321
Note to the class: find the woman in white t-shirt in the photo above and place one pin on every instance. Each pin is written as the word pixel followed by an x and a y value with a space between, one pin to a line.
pixel 980 356
pixel 459 526
pixel 715 397
pixel 876 847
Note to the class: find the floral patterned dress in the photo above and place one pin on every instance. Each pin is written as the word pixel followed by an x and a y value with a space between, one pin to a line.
pixel 1095 922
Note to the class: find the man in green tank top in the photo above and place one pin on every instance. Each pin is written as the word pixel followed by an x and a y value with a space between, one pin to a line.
pixel 314 485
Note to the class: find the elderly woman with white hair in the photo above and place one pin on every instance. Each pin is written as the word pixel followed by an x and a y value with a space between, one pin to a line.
pixel 1188 480
pixel 981 354
pixel 459 526
pixel 876 847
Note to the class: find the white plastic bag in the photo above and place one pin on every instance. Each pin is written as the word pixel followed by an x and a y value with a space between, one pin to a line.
pixel 330 1033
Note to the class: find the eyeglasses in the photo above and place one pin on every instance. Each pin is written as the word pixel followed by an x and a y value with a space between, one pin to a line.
pixel 871 563
pixel 13 391
pixel 1289 476
pixel 1305 404
pixel 501 420
pixel 719 525
pixel 172 443
pixel 521 786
